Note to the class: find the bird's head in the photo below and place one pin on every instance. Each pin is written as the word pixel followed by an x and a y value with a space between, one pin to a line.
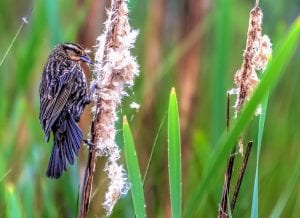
pixel 76 52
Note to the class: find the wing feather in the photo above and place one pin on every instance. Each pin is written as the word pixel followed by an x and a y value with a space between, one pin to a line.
pixel 52 106
pixel 55 107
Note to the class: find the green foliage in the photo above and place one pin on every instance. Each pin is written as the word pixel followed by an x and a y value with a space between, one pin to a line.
pixel 221 61
pixel 174 156
pixel 133 169
pixel 13 205
pixel 273 173
pixel 282 55
pixel 262 118
pixel 287 192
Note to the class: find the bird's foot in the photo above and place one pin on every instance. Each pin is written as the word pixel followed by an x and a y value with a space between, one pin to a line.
pixel 93 87
pixel 89 143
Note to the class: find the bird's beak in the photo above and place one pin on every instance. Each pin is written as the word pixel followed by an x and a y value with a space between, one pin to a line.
pixel 86 58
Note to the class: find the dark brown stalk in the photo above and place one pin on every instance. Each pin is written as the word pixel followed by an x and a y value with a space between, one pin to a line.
pixel 228 112
pixel 241 176
pixel 88 177
pixel 223 212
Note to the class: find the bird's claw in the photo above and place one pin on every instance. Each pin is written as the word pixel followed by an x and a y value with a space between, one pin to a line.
pixel 89 143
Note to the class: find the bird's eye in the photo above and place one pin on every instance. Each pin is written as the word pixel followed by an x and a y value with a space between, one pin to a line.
pixel 73 54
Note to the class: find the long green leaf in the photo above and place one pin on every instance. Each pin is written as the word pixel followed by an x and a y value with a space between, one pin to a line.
pixel 286 193
pixel 174 156
pixel 221 59
pixel 133 172
pixel 262 118
pixel 282 55
pixel 13 206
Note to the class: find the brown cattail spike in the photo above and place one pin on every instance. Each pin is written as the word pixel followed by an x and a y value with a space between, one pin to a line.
pixel 255 57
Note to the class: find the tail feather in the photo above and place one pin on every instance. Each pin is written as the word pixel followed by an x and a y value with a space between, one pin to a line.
pixel 56 164
pixel 69 153
pixel 66 143
pixel 74 135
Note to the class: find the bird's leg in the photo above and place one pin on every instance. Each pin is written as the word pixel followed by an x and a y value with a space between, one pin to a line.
pixel 94 87
pixel 89 143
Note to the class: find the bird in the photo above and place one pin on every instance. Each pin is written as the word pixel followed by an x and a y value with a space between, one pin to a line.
pixel 64 94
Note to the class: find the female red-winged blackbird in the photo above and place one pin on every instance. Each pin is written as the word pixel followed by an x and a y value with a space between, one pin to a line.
pixel 63 96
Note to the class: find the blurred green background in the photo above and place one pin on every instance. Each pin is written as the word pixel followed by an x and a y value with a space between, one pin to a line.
pixel 195 46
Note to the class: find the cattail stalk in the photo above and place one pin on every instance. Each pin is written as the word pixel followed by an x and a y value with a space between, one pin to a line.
pixel 114 70
pixel 255 58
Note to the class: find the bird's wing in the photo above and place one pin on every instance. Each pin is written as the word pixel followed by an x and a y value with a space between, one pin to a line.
pixel 51 106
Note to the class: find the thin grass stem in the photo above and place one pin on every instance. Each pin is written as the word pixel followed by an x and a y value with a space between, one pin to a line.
pixel 153 148
pixel 24 22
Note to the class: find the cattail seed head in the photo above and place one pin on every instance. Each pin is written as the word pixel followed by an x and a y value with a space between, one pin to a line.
pixel 115 70
pixel 255 57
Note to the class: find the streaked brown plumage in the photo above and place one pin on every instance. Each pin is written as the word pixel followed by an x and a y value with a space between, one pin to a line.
pixel 63 96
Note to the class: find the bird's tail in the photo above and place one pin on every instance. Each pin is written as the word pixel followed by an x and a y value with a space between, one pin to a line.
pixel 67 139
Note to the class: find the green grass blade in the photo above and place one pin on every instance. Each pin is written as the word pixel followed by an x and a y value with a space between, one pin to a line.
pixel 47 195
pixel 283 199
pixel 262 118
pixel 13 206
pixel 174 156
pixel 282 55
pixel 133 172
pixel 221 60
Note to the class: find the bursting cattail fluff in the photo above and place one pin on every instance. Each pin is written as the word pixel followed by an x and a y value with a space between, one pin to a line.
pixel 114 71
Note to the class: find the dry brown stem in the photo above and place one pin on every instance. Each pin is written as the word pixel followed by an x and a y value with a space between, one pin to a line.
pixel 115 70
